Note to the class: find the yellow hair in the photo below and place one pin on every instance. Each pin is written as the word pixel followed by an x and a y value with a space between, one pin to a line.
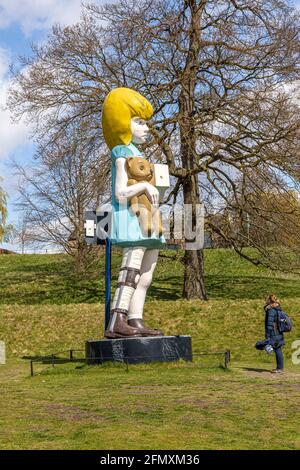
pixel 119 107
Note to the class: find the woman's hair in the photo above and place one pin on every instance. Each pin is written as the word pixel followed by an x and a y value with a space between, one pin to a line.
pixel 119 107
pixel 272 299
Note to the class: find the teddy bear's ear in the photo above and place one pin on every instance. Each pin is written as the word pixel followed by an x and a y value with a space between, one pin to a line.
pixel 127 163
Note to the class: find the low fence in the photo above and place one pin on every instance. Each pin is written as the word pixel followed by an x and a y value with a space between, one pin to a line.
pixel 71 356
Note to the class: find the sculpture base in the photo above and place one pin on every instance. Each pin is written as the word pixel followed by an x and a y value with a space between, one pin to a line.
pixel 139 350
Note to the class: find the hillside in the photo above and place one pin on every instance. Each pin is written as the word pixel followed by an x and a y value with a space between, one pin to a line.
pixel 44 309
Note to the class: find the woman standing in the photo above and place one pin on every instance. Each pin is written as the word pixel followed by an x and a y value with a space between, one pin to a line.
pixel 272 332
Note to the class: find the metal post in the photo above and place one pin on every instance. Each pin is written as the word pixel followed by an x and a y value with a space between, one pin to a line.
pixel 31 368
pixel 71 354
pixel 107 280
pixel 52 360
pixel 227 358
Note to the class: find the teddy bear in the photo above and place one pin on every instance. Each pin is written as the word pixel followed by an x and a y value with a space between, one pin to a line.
pixel 141 170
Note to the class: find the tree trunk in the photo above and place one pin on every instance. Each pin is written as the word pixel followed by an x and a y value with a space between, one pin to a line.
pixel 194 275
pixel 193 259
pixel 194 286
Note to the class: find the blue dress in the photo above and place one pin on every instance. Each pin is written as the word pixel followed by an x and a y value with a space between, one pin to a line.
pixel 125 227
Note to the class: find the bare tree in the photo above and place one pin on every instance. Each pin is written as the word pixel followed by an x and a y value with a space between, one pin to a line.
pixel 3 213
pixel 217 73
pixel 55 194
pixel 262 213
pixel 22 233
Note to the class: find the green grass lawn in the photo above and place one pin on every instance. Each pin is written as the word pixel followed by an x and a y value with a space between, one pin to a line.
pixel 45 309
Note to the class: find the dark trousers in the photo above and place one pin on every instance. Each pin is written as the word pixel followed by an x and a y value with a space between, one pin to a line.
pixel 279 358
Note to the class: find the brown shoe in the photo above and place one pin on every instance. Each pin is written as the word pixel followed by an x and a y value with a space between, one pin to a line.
pixel 143 329
pixel 118 327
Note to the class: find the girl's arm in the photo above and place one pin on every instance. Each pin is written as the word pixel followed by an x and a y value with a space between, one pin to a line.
pixel 124 192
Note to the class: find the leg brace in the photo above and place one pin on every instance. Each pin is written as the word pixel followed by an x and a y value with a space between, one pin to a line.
pixel 128 278
pixel 137 301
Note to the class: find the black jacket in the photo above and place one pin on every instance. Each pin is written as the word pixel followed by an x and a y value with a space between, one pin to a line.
pixel 271 326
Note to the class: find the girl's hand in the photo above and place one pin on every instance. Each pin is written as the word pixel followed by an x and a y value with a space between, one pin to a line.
pixel 153 194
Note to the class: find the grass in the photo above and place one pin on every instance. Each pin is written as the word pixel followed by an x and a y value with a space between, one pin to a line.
pixel 50 279
pixel 44 309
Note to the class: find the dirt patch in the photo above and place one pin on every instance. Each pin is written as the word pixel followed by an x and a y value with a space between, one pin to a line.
pixel 143 389
pixel 211 403
pixel 262 373
pixel 38 429
pixel 73 413
pixel 195 402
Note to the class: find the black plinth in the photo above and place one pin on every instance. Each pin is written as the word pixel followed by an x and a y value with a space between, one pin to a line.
pixel 139 350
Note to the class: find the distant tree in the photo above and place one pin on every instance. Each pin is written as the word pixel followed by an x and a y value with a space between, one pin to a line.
pixel 8 233
pixel 3 213
pixel 22 233
pixel 219 74
pixel 263 213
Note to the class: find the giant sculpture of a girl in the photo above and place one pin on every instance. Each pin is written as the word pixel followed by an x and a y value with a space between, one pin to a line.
pixel 124 120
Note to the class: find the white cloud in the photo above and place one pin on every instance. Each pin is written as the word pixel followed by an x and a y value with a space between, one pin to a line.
pixel 30 15
pixel 11 135
pixel 39 15
pixel 4 62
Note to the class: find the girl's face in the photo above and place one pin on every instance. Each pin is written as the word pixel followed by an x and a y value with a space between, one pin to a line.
pixel 139 130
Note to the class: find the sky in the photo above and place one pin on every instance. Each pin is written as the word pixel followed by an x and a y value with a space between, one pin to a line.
pixel 23 22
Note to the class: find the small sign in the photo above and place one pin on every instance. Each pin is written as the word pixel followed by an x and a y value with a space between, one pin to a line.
pixel 2 353
pixel 162 177
pixel 90 228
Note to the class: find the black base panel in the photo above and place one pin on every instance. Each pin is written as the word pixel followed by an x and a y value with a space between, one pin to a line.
pixel 139 350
